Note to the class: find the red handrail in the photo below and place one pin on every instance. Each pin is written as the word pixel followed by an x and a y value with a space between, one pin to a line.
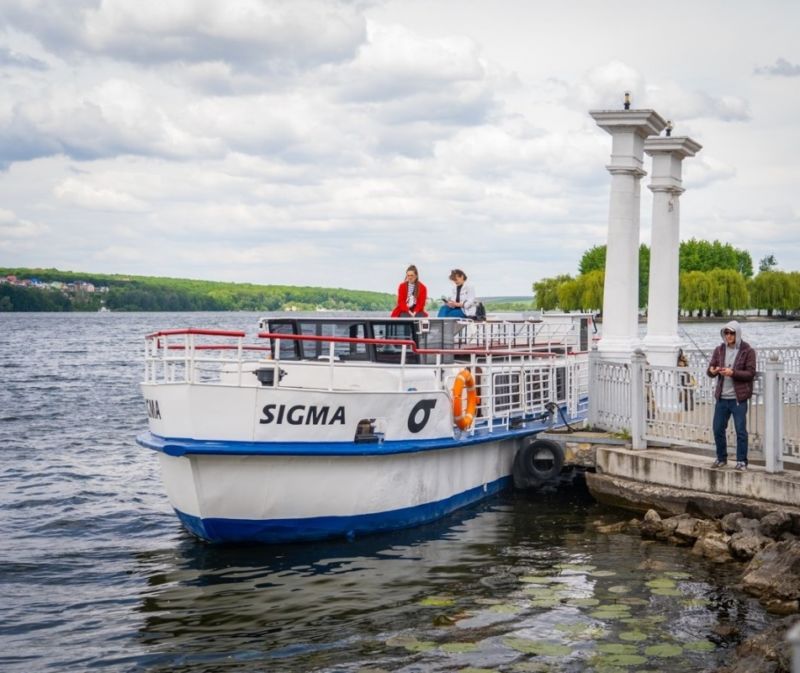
pixel 193 330
pixel 216 347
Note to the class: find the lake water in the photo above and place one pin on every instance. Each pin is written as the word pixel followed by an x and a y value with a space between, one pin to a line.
pixel 97 574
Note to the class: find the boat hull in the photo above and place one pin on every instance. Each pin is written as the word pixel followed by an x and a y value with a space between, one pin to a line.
pixel 287 498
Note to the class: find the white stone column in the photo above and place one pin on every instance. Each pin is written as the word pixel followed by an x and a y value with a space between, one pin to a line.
pixel 628 129
pixel 662 341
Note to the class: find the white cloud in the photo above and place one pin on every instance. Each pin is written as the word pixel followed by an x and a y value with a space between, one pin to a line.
pixel 246 33
pixel 92 197
pixel 333 142
pixel 13 229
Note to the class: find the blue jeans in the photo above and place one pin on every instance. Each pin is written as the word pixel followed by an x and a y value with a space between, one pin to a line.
pixel 723 410
pixel 447 312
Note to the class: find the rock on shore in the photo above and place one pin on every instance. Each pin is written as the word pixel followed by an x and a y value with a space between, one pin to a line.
pixel 769 545
pixel 770 548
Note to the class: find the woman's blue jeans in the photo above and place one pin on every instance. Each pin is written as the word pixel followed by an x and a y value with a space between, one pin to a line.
pixel 723 411
pixel 447 312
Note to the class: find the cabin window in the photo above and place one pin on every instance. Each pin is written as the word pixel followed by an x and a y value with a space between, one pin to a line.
pixel 288 347
pixel 395 330
pixel 315 350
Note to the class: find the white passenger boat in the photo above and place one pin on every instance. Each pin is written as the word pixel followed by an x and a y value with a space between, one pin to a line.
pixel 325 427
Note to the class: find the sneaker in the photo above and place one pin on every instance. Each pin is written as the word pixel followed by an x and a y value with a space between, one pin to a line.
pixel 740 466
pixel 719 463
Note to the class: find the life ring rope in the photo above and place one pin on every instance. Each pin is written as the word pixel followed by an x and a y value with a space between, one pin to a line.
pixel 464 417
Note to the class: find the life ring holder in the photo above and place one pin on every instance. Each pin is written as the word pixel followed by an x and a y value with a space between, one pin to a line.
pixel 464 418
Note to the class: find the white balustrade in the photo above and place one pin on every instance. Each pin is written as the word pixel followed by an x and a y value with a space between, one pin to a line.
pixel 675 405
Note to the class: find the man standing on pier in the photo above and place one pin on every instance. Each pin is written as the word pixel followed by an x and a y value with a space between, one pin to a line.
pixel 734 364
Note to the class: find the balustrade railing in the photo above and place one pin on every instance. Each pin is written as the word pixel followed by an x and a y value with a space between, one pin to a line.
pixel 675 405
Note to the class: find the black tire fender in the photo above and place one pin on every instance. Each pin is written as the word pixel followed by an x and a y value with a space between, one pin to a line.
pixel 537 462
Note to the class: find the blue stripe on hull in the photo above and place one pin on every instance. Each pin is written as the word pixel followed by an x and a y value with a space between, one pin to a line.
pixel 179 446
pixel 319 528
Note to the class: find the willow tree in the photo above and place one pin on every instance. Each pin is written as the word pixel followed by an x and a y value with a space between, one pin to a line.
pixel 776 291
pixel 728 291
pixel 694 291
pixel 545 292
pixel 592 290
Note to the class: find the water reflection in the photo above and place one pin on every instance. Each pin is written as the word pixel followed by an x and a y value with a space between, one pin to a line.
pixel 517 581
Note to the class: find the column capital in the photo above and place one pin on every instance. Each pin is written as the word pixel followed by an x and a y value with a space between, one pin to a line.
pixel 635 171
pixel 681 146
pixel 642 122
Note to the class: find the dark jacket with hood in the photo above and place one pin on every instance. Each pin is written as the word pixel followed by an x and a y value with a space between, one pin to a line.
pixel 744 366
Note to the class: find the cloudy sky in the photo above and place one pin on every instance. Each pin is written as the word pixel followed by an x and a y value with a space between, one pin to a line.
pixel 324 142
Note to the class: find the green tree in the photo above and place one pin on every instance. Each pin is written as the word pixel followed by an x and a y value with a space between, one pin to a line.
pixel 545 292
pixel 728 291
pixel 694 292
pixel 776 291
pixel 592 290
pixel 594 259
pixel 767 263
pixel 569 295
pixel 704 256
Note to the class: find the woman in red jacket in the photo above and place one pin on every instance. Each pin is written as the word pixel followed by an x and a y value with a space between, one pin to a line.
pixel 411 296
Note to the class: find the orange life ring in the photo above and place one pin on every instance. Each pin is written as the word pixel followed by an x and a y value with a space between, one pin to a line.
pixel 464 381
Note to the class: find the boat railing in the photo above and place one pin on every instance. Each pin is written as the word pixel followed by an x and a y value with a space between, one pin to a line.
pixel 512 386
pixel 185 356
pixel 559 333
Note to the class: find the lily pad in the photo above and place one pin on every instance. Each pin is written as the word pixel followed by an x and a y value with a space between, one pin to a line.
pixel 605 615
pixel 551 602
pixel 619 589
pixel 437 601
pixel 602 573
pixel 665 591
pixel 458 648
pixel 583 602
pixel 632 636
pixel 618 608
pixel 540 647
pixel 695 602
pixel 661 583
pixel 421 646
pixel 700 646
pixel 664 650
